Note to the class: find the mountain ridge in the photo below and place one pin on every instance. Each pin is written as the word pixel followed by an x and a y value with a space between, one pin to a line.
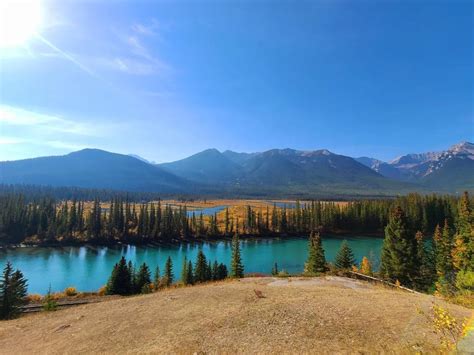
pixel 273 172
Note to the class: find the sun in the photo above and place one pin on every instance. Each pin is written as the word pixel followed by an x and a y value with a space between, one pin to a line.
pixel 20 20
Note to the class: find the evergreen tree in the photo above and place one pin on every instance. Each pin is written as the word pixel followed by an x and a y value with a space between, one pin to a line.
pixel 143 279
pixel 316 262
pixel 157 278
pixel 169 272
pixel 120 279
pixel 209 271
pixel 443 245
pixel 426 269
pixel 13 288
pixel 200 270
pixel 463 253
pixel 237 268
pixel 345 257
pixel 275 269
pixel 222 273
pixel 189 274
pixel 399 250
pixel 215 271
pixel 184 271
pixel 133 276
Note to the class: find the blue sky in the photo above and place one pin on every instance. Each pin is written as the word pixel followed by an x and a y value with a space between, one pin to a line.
pixel 167 79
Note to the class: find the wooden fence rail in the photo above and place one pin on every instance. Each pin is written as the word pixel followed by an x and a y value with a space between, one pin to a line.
pixel 358 275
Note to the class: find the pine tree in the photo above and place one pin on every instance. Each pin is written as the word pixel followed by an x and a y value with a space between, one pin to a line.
pixel 143 279
pixel 133 276
pixel 275 269
pixel 157 278
pixel 209 271
pixel 120 279
pixel 184 271
pixel 169 272
pixel 345 257
pixel 215 271
pixel 443 246
pixel 200 270
pixel 222 274
pixel 316 262
pixel 13 288
pixel 425 274
pixel 463 253
pixel 189 274
pixel 399 250
pixel 237 268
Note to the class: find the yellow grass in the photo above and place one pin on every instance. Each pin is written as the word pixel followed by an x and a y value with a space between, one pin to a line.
pixel 254 315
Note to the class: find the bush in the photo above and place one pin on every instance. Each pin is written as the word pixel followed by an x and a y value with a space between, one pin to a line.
pixel 34 298
pixel 283 273
pixel 102 291
pixel 49 302
pixel 70 292
pixel 146 289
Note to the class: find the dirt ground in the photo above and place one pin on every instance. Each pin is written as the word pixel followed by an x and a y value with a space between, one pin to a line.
pixel 318 315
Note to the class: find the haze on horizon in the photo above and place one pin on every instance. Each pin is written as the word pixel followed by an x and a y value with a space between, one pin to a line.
pixel 165 80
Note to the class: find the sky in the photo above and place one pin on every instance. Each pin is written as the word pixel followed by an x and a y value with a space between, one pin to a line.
pixel 167 79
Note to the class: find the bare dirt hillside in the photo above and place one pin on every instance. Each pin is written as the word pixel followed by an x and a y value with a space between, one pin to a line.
pixel 318 315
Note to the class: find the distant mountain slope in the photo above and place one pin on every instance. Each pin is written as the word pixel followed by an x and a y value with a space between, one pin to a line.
pixel 276 172
pixel 280 171
pixel 91 168
pixel 315 171
pixel 384 169
pixel 208 166
pixel 238 158
pixel 450 170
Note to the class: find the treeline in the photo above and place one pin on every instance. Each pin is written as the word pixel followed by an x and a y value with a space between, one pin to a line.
pixel 47 220
pixel 63 193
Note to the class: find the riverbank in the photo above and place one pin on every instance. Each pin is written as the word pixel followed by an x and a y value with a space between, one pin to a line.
pixel 177 241
pixel 253 315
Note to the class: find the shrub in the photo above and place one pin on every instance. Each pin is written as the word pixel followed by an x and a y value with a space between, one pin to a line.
pixel 102 291
pixel 34 298
pixel 49 302
pixel 70 292
pixel 283 273
pixel 146 289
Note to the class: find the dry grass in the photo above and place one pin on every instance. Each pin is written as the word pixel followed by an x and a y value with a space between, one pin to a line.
pixel 319 315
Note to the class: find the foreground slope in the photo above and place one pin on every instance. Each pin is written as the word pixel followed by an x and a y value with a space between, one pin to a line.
pixel 324 315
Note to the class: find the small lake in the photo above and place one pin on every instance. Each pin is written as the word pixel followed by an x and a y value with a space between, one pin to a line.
pixel 87 268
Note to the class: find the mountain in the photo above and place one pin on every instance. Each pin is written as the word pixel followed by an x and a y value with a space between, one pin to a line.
pixel 141 158
pixel 384 169
pixel 209 166
pixel 276 172
pixel 449 170
pixel 238 158
pixel 91 168
pixel 281 171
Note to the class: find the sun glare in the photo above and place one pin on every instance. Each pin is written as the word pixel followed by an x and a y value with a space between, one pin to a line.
pixel 19 21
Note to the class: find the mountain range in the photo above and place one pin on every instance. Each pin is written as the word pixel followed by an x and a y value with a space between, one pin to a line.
pixel 276 172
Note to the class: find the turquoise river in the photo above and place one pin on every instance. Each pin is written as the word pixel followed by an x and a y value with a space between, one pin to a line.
pixel 88 267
